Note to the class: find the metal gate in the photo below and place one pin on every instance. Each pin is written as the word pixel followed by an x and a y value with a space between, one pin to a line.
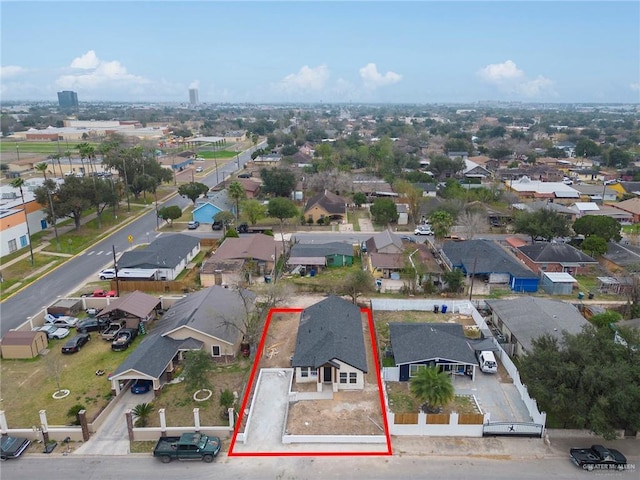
pixel 515 429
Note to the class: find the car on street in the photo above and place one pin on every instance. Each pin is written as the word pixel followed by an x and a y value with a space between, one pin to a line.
pixel 141 386
pixel 123 339
pixel 12 447
pixel 107 274
pixel 74 344
pixel 408 239
pixel 598 458
pixel 423 230
pixel 193 224
pixel 198 169
pixel 91 325
pixel 54 332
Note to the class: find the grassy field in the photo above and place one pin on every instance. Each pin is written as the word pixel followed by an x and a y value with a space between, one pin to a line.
pixel 44 148
pixel 28 385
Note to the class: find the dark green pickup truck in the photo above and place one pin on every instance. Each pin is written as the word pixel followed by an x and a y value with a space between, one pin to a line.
pixel 188 446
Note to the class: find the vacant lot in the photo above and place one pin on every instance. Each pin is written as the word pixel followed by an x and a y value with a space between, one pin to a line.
pixel 28 385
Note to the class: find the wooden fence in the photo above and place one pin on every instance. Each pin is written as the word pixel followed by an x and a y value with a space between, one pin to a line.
pixel 470 419
pixel 161 286
pixel 406 418
pixel 438 418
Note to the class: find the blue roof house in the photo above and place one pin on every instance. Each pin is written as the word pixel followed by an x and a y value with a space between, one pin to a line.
pixel 205 212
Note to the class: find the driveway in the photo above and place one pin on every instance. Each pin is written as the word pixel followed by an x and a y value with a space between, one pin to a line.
pixel 112 437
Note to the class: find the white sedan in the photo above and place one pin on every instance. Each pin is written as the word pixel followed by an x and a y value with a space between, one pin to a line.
pixel 64 321
pixel 54 332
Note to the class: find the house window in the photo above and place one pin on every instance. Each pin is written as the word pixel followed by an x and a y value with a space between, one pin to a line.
pixel 304 372
pixel 23 241
pixel 414 369
pixel 343 377
pixel 12 245
pixel 215 350
pixel 353 377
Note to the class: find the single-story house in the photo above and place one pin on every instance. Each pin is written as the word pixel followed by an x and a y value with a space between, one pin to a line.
pixel 204 212
pixel 325 205
pixel 330 347
pixel 558 283
pixel 23 344
pixel 169 254
pixel 319 255
pixel 555 191
pixel 212 319
pixel 384 264
pixel 595 193
pixel 134 308
pixel 631 206
pixel 558 208
pixel 416 345
pixel 237 260
pixel 524 319
pixel 487 259
pixel 555 257
pixel 618 258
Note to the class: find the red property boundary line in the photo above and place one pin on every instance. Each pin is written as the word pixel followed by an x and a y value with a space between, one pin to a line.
pixel 254 368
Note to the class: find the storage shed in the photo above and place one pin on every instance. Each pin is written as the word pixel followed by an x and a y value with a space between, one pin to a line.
pixel 65 306
pixel 558 283
pixel 23 344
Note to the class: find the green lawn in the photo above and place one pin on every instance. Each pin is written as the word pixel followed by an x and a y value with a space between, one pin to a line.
pixel 45 148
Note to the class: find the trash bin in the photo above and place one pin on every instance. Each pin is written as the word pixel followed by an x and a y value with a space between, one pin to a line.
pixel 590 295
pixel 436 309
pixel 312 272
pixel 267 279
pixel 580 295
pixel 443 309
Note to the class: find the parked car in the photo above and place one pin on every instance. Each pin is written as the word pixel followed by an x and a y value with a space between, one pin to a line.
pixel 107 274
pixel 63 321
pixel 12 447
pixel 74 344
pixel 141 386
pixel 92 312
pixel 101 293
pixel 188 446
pixel 123 339
pixel 423 230
pixel 245 175
pixel 91 325
pixel 54 332
pixel 216 225
pixel 198 169
pixel 598 458
pixel 408 239
pixel 193 224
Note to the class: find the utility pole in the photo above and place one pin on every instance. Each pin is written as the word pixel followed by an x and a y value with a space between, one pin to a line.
pixel 115 269
pixel 53 218
pixel 475 262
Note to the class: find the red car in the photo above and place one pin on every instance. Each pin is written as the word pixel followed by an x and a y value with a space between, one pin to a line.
pixel 104 293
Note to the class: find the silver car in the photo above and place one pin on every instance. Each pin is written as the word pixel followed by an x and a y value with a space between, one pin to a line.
pixel 54 332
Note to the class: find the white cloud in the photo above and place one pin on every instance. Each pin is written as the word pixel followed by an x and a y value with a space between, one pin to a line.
pixel 635 86
pixel 10 71
pixel 195 84
pixel 97 73
pixel 86 62
pixel 373 79
pixel 307 79
pixel 509 78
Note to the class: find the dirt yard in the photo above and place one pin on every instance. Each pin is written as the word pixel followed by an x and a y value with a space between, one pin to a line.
pixel 348 413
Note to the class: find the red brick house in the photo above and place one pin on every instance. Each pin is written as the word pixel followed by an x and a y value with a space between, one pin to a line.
pixel 555 257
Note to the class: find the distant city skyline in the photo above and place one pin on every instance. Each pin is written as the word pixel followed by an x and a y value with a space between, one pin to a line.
pixel 333 52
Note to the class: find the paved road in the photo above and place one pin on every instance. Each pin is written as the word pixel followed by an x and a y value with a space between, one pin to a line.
pixel 74 273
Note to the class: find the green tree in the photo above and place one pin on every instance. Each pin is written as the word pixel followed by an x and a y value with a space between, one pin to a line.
pixel 384 211
pixel 19 183
pixel 192 190
pixel 543 224
pixel 169 214
pixel 42 168
pixel 356 283
pixel 594 246
pixel 236 193
pixel 618 158
pixel 142 412
pixel 441 223
pixel 197 365
pixel 359 199
pixel 603 320
pixel 587 148
pixel 253 211
pixel 278 181
pixel 432 387
pixel 453 279
pixel 604 227
pixel 586 380
pixel 441 165
pixel 225 218
pixel 282 209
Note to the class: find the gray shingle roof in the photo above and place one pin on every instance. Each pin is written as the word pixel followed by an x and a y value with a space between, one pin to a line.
pixel 330 329
pixel 383 240
pixel 138 304
pixel 545 252
pixel 330 202
pixel 321 249
pixel 165 252
pixel 531 317
pixel 484 257
pixel 418 342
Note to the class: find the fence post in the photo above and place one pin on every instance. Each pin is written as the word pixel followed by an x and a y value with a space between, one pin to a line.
pixel 129 416
pixel 84 426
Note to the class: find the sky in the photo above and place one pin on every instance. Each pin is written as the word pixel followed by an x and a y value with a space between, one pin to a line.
pixel 329 51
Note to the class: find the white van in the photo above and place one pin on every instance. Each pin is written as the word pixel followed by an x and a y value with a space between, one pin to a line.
pixel 487 362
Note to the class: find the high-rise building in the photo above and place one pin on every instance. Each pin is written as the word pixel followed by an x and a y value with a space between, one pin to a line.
pixel 193 96
pixel 68 100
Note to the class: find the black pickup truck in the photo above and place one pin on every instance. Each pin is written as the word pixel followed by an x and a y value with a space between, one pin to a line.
pixel 188 446
pixel 598 458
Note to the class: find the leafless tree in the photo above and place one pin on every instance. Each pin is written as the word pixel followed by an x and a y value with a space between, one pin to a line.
pixel 473 222
pixel 332 180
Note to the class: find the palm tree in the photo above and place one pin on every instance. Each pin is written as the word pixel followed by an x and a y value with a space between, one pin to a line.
pixel 236 192
pixel 432 387
pixel 68 155
pixel 42 168
pixel 142 412
pixel 19 183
